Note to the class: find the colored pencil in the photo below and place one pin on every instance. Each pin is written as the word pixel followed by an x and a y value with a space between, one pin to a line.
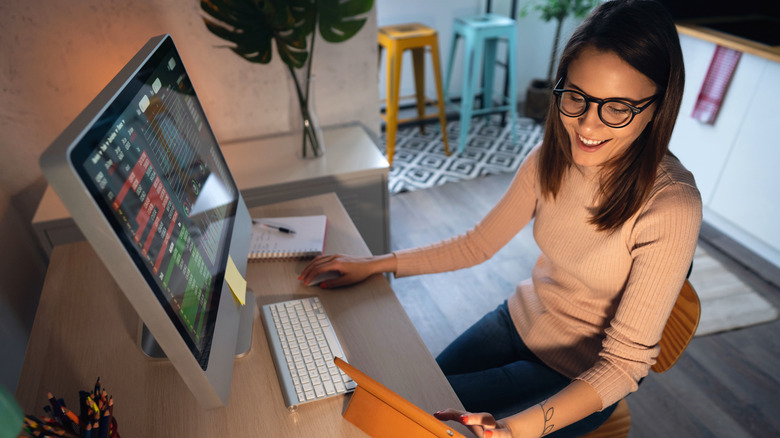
pixel 55 406
pixel 105 423
pixel 73 417
pixel 111 420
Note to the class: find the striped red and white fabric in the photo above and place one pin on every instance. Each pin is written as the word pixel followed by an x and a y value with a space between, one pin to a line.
pixel 716 82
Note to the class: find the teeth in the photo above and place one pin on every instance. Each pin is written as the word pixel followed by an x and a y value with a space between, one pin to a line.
pixel 590 142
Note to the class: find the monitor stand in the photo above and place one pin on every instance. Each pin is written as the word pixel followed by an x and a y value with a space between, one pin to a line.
pixel 151 348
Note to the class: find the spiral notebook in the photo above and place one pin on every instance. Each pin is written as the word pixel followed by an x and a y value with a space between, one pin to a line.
pixel 280 238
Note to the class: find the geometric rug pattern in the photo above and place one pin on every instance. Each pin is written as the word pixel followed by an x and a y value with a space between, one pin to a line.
pixel 419 160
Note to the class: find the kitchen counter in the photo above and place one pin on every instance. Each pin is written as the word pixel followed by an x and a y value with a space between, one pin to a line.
pixel 697 29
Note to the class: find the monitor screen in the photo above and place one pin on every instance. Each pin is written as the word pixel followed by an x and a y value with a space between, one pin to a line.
pixel 144 178
pixel 153 166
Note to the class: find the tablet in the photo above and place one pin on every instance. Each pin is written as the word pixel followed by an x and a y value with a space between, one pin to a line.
pixel 381 413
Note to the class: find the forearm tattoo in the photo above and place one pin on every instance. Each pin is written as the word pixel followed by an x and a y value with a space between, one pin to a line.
pixel 548 414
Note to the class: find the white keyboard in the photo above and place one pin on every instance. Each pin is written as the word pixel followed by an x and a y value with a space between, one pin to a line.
pixel 303 345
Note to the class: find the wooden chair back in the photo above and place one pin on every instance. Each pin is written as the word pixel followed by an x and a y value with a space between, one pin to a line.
pixel 677 334
pixel 679 329
pixel 617 425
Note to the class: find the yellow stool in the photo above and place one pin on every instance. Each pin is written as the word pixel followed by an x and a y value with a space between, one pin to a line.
pixel 415 37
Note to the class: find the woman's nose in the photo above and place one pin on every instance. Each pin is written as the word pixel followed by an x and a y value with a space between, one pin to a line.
pixel 590 121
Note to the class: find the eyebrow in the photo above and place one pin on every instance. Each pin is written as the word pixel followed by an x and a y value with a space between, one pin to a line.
pixel 632 101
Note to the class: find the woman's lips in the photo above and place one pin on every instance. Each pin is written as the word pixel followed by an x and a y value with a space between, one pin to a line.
pixel 589 145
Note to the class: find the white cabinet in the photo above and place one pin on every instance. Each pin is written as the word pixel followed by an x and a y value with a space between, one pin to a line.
pixel 748 190
pixel 736 161
pixel 268 171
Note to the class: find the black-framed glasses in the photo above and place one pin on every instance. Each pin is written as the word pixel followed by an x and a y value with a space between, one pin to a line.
pixel 615 113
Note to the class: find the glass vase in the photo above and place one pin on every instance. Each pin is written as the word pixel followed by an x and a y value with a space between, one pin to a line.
pixel 306 128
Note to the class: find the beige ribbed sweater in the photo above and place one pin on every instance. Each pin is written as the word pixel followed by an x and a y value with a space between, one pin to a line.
pixel 596 304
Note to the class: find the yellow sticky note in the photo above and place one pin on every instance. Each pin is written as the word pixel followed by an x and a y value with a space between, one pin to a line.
pixel 236 281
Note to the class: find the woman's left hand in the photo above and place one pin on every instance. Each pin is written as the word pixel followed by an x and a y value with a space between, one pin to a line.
pixel 483 425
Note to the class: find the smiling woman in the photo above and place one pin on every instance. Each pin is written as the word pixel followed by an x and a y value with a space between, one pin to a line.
pixel 600 73
pixel 616 218
pixel 640 60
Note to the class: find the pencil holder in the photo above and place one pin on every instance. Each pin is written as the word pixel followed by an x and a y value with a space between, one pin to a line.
pixel 94 420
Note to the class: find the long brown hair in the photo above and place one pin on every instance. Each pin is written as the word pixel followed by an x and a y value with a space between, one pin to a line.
pixel 642 33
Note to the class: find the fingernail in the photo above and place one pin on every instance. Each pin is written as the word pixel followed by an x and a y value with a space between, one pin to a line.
pixel 324 285
pixel 488 434
pixel 464 419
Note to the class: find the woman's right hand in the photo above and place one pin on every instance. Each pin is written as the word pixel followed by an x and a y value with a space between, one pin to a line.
pixel 350 270
pixel 483 425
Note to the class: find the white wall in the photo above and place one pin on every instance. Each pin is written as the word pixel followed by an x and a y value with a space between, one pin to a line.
pixel 534 40
pixel 55 56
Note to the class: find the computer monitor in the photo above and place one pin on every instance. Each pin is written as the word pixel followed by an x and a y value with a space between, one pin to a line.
pixel 143 176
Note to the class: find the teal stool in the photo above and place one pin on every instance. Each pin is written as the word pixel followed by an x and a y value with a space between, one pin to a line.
pixel 481 34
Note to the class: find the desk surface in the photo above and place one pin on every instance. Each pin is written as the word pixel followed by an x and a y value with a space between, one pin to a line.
pixel 86 328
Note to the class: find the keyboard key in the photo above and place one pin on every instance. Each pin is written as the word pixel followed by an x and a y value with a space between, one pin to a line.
pixel 329 388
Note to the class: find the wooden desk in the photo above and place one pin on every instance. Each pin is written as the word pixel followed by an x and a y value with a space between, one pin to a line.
pixel 85 328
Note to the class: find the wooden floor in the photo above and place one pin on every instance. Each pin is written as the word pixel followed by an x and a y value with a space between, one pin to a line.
pixel 725 385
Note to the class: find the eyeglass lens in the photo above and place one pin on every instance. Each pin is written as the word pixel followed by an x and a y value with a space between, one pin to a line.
pixel 614 113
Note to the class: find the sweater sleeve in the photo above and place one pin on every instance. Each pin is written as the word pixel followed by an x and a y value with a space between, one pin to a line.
pixel 513 212
pixel 662 242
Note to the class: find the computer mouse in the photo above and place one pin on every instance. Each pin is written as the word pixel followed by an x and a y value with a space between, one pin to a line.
pixel 329 275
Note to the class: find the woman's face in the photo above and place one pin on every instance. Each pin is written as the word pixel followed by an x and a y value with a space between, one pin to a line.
pixel 603 75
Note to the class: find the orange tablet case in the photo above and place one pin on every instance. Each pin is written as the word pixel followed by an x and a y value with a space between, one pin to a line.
pixel 381 413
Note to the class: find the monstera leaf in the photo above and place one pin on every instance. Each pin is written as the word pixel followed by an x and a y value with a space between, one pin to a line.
pixel 337 19
pixel 253 24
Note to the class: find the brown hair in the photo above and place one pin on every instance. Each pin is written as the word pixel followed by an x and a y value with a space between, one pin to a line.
pixel 642 33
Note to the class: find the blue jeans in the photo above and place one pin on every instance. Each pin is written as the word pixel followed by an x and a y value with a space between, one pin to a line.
pixel 491 370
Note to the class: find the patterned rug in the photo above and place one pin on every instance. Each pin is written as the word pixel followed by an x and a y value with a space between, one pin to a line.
pixel 419 161
pixel 727 303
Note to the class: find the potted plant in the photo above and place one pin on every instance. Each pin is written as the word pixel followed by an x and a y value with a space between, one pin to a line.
pixel 292 24
pixel 538 92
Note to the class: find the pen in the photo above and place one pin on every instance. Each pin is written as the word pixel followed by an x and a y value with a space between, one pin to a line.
pixel 275 227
